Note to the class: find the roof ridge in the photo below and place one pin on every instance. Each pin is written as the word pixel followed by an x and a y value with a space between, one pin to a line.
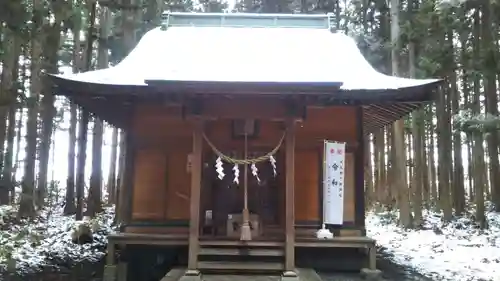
pixel 253 20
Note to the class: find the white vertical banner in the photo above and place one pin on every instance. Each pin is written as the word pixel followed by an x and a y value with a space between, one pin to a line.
pixel 333 183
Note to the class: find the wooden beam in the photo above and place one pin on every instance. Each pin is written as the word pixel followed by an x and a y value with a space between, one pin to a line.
pixel 194 225
pixel 290 197
pixel 126 189
pixel 243 108
pixel 228 145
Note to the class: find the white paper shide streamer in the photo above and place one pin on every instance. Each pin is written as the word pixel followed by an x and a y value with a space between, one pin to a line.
pixel 333 183
pixel 236 171
pixel 255 172
pixel 273 164
pixel 219 169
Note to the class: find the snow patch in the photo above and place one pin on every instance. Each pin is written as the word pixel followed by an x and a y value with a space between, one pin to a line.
pixel 28 246
pixel 458 251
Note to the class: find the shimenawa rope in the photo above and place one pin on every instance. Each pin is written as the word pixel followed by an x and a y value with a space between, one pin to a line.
pixel 245 161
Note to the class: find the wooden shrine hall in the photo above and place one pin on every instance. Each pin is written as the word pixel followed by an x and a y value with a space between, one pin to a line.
pixel 244 143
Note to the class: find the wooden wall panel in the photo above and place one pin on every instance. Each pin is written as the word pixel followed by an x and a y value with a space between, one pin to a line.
pixel 307 197
pixel 165 140
pixel 155 122
pixel 219 133
pixel 333 123
pixel 307 171
pixel 149 195
pixel 179 184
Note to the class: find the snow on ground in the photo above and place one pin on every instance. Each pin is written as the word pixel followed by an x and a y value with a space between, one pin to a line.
pixel 457 251
pixel 30 246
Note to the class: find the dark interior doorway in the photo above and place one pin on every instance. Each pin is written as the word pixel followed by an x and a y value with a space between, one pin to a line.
pixel 221 198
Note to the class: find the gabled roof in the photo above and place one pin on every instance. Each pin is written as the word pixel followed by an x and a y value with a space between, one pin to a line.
pixel 227 53
pixel 192 47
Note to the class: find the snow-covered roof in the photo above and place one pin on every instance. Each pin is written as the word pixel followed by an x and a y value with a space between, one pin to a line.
pixel 186 50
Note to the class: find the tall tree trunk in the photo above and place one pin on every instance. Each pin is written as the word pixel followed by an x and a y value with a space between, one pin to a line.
pixel 8 166
pixel 26 207
pixel 19 126
pixel 417 139
pixel 111 186
pixel 432 158
pixel 129 40
pixel 7 99
pixel 84 119
pixel 94 200
pixel 465 82
pixel 81 160
pixel 458 168
pixel 69 206
pixel 490 58
pixel 94 203
pixel 47 110
pixel 478 150
pixel 119 214
pixel 8 177
pixel 443 158
pixel 398 145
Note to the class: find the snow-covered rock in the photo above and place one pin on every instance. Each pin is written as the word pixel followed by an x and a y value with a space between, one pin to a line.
pixel 83 231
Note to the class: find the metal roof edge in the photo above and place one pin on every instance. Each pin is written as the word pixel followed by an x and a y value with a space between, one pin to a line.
pixel 253 20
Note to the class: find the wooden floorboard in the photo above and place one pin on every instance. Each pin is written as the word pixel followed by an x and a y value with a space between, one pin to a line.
pixel 174 274
pixel 308 274
pixel 243 266
pixel 182 239
pixel 240 277
pixel 239 243
pixel 336 242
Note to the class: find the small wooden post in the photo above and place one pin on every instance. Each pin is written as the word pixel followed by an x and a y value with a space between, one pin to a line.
pixel 290 200
pixel 194 225
pixel 372 260
pixel 110 267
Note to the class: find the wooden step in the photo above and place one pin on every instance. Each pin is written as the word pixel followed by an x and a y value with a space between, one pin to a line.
pixel 239 243
pixel 251 266
pixel 256 252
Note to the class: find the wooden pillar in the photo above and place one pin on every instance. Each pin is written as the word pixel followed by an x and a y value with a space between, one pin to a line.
pixel 127 178
pixel 290 199
pixel 359 173
pixel 110 267
pixel 194 209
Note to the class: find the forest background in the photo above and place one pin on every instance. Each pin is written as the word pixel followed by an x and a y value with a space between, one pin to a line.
pixel 443 157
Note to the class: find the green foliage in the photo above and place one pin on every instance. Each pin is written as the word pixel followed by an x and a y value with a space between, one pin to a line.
pixel 468 121
pixel 14 14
